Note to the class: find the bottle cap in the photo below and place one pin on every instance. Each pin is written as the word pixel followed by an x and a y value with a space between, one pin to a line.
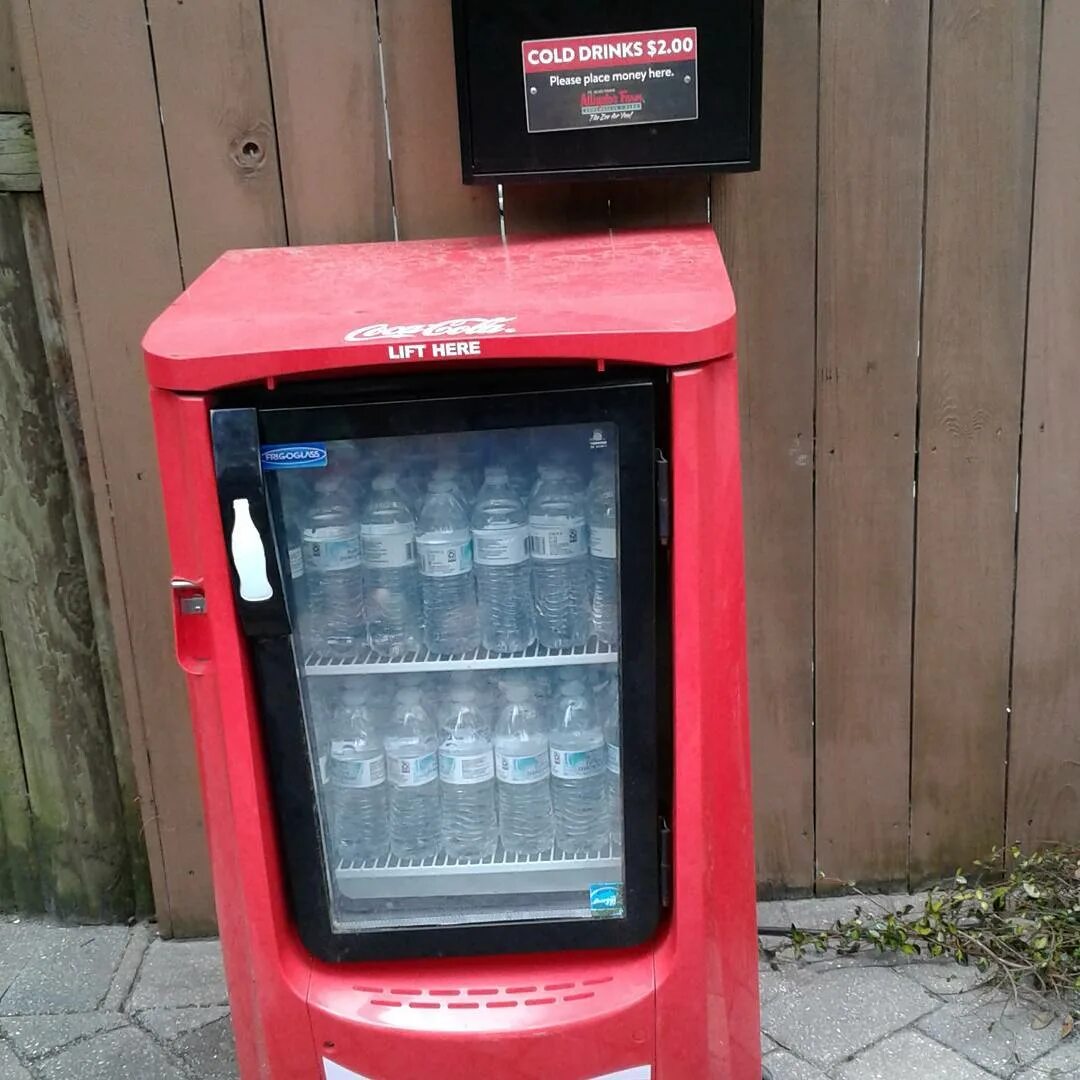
pixel 441 487
pixel 384 482
pixel 496 473
pixel 517 691
pixel 409 695
pixel 354 695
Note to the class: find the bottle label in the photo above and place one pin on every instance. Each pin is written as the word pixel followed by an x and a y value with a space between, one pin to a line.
pixel 348 769
pixel 388 546
pixel 613 755
pixel 578 764
pixel 439 558
pixel 501 547
pixel 326 550
pixel 602 540
pixel 556 538
pixel 412 771
pixel 528 769
pixel 465 768
pixel 296 561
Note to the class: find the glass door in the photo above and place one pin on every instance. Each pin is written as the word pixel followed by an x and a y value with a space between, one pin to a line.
pixel 457 600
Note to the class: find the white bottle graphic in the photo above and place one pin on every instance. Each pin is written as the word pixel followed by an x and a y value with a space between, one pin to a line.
pixel 248 554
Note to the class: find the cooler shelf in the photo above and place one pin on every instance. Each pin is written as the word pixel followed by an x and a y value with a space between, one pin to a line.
pixel 367 662
pixel 550 872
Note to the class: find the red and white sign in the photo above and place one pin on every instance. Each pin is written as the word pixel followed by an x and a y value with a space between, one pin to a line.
pixel 609 50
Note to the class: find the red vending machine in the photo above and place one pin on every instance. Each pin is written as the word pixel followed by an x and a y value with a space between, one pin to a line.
pixel 456 545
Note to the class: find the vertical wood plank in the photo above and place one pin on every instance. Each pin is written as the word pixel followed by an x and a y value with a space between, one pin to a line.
pixel 97 67
pixel 18 859
pixel 217 115
pixel 48 628
pixel 564 207
pixel 12 91
pixel 981 141
pixel 666 201
pixel 870 200
pixel 331 125
pixel 1044 777
pixel 69 430
pixel 767 224
pixel 421 99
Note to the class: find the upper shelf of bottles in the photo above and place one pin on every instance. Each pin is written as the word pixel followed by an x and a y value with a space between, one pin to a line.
pixel 367 662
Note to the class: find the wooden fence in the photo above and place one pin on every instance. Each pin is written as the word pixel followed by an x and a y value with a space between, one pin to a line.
pixel 70 828
pixel 907 264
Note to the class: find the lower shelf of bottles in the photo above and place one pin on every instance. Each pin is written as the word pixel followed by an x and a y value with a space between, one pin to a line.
pixel 367 662
pixel 550 872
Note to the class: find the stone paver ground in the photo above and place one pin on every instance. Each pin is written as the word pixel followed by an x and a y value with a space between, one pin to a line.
pixel 111 1003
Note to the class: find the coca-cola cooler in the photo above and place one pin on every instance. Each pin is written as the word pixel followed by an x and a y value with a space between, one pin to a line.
pixel 559 884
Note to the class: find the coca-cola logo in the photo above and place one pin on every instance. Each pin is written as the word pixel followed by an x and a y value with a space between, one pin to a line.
pixel 474 326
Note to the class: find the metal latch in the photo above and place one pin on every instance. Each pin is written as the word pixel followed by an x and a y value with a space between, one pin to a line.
pixel 191 598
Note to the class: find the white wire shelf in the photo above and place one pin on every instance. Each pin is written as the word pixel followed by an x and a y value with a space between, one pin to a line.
pixel 367 662
pixel 550 872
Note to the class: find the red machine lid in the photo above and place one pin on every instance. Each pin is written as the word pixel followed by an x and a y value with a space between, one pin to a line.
pixel 656 296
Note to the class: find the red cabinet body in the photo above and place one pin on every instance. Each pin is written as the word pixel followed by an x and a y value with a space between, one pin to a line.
pixel 617 345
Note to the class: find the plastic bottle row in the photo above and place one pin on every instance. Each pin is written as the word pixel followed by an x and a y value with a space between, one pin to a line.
pixel 450 570
pixel 464 763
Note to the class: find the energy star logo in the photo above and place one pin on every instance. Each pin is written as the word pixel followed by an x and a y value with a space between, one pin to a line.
pixel 470 326
pixel 293 456
pixel 605 899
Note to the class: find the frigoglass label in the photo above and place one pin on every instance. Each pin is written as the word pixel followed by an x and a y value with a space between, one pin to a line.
pixel 293 456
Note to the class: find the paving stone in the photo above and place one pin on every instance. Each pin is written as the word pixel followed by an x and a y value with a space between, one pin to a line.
pixel 839 1012
pixel 773 913
pixel 210 1052
pixel 179 973
pixel 1062 1063
pixel 124 1054
pixel 128 967
pixel 10 1068
pixel 991 1031
pixel 945 977
pixel 63 970
pixel 168 1024
pixel 784 979
pixel 34 1036
pixel 908 1055
pixel 785 1066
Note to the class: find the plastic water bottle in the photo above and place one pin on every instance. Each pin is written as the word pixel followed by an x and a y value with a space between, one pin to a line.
pixel 356 772
pixel 333 570
pixel 500 531
pixel 391 593
pixel 559 548
pixel 614 780
pixel 413 771
pixel 446 573
pixel 603 516
pixel 522 768
pixel 578 775
pixel 467 778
